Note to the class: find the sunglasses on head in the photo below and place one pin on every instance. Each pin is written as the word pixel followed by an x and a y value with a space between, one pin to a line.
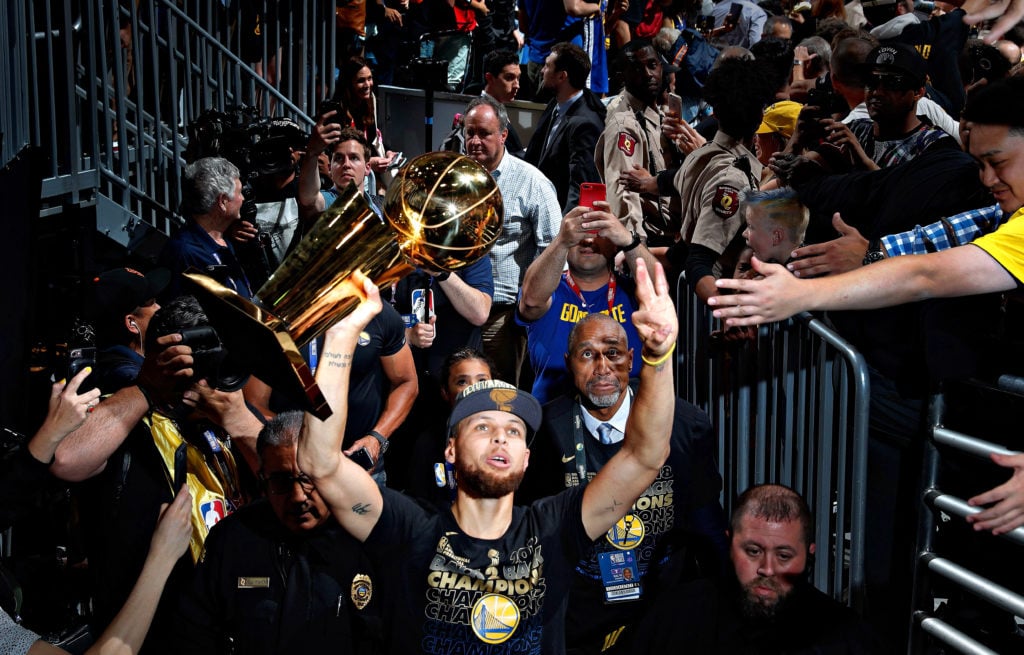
pixel 890 81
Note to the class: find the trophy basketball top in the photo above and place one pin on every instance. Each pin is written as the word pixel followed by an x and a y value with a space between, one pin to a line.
pixel 446 211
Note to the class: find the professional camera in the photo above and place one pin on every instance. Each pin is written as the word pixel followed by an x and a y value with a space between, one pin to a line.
pixel 211 360
pixel 259 147
pixel 982 61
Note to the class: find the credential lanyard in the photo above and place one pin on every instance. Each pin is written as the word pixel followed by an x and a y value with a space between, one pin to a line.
pixel 576 289
pixel 578 437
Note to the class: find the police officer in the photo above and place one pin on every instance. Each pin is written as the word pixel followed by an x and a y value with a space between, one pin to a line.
pixel 632 136
pixel 714 176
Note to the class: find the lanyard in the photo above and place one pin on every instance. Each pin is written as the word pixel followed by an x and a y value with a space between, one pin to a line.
pixel 578 437
pixel 576 289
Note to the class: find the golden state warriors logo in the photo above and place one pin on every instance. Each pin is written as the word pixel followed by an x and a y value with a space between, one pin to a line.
pixel 495 618
pixel 502 399
pixel 627 532
pixel 364 338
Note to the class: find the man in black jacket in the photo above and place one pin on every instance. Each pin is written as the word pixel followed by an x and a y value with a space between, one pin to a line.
pixel 563 145
pixel 279 575
pixel 671 532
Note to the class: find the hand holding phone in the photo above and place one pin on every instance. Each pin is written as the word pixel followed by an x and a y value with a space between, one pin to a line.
pixel 362 458
pixel 675 105
pixel 591 192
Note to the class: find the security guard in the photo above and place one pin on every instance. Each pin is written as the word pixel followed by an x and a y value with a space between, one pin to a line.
pixel 715 175
pixel 632 135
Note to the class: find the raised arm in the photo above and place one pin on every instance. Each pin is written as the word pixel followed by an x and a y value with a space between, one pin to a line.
pixel 957 272
pixel 349 491
pixel 85 451
pixel 541 278
pixel 126 632
pixel 323 135
pixel 648 430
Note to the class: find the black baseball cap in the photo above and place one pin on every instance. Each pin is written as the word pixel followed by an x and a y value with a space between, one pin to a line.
pixel 900 58
pixel 119 291
pixel 489 395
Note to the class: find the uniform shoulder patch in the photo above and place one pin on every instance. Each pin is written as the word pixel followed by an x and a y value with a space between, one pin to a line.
pixel 627 143
pixel 727 201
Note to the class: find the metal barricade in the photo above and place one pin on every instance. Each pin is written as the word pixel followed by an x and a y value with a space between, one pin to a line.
pixel 790 406
pixel 949 553
pixel 107 87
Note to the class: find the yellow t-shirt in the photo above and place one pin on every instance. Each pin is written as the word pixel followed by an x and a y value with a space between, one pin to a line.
pixel 1006 245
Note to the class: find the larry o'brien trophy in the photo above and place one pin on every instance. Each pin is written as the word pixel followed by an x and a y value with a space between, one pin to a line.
pixel 442 212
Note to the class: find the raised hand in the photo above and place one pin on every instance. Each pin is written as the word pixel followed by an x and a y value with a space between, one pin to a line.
pixel 1009 13
pixel 656 319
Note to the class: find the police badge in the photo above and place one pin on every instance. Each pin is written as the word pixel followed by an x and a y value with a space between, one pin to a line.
pixel 362 590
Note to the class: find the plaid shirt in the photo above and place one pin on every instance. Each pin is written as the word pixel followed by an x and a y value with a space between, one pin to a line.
pixel 945 233
pixel 897 151
pixel 532 219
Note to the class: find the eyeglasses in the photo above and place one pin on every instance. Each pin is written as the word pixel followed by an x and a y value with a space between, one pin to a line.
pixel 890 82
pixel 280 484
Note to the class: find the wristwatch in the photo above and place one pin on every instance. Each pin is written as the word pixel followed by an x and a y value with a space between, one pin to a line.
pixel 380 440
pixel 632 244
pixel 875 252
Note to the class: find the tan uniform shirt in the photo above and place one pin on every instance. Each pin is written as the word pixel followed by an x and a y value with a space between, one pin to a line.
pixel 624 142
pixel 710 184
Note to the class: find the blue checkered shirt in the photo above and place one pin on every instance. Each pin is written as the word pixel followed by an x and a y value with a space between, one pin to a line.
pixel 945 233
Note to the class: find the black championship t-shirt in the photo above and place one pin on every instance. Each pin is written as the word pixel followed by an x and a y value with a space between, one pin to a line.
pixel 448 593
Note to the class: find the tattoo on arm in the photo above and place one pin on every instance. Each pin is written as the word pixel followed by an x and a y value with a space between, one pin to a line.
pixel 361 508
pixel 337 360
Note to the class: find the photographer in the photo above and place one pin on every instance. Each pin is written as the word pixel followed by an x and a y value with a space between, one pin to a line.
pixel 212 200
pixel 130 448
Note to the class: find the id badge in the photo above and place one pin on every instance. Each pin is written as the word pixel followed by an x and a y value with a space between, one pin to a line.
pixel 619 575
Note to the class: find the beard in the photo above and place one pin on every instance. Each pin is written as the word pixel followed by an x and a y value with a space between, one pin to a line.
pixel 753 606
pixel 481 483
pixel 608 399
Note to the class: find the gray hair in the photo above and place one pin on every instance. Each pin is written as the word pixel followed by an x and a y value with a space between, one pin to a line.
pixel 280 431
pixel 204 181
pixel 818 46
pixel 499 110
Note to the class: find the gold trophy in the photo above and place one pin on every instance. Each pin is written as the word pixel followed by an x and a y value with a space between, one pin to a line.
pixel 442 212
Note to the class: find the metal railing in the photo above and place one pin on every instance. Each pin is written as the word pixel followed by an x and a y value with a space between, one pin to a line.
pixel 107 87
pixel 790 406
pixel 931 567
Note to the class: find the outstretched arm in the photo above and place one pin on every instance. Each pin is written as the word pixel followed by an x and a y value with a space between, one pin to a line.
pixel 958 272
pixel 125 634
pixel 621 481
pixel 349 491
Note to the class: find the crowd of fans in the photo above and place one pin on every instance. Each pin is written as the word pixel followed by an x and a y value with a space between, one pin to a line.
pixel 746 147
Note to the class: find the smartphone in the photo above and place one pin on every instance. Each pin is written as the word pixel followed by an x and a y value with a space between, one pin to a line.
pixel 591 192
pixel 735 10
pixel 78 359
pixel 397 161
pixel 362 458
pixel 675 105
pixel 180 466
pixel 329 105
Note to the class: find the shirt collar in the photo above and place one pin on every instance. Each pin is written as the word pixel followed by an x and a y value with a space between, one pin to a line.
pixel 564 106
pixel 618 421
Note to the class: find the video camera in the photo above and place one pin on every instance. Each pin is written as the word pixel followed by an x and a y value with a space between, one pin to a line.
pixel 259 147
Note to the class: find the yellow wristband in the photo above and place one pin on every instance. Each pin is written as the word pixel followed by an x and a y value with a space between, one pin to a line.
pixel 659 362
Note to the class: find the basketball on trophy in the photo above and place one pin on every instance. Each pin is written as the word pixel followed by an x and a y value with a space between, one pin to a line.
pixel 445 209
